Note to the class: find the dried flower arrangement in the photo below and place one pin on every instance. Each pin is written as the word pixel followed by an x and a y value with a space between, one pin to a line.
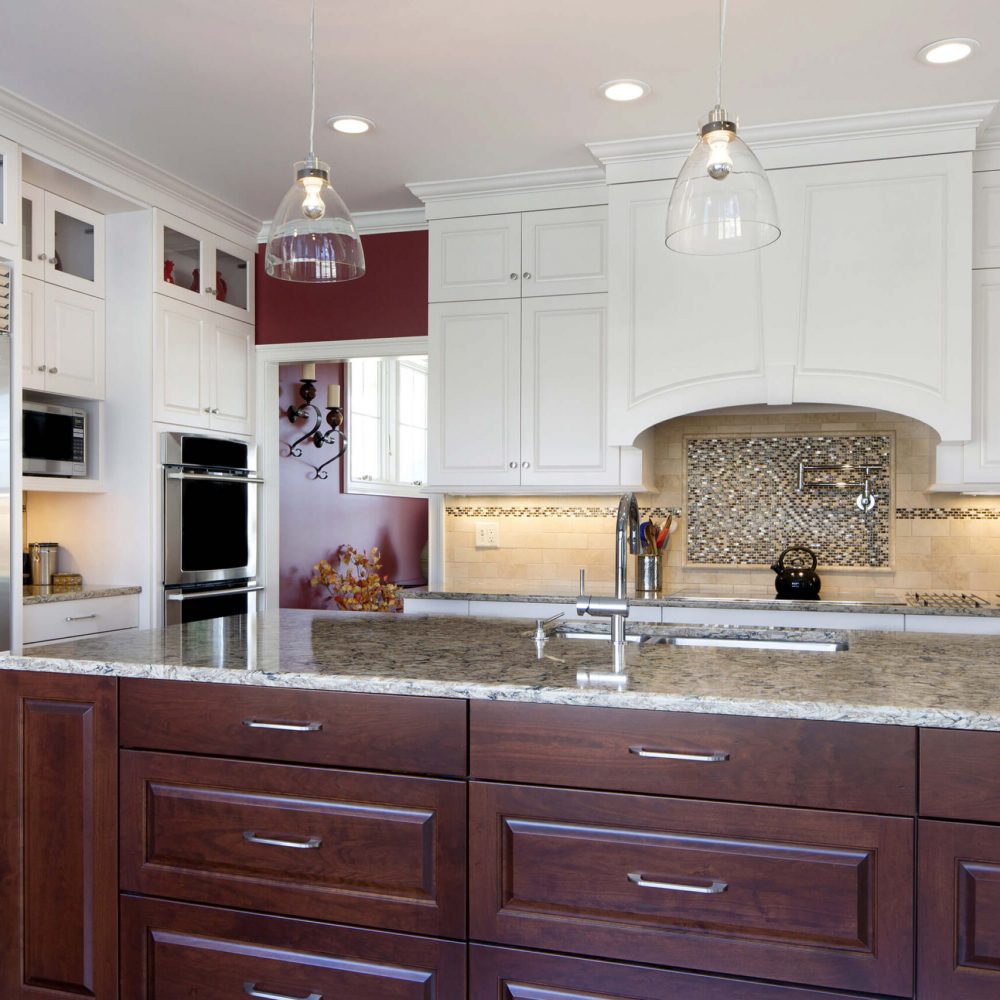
pixel 355 581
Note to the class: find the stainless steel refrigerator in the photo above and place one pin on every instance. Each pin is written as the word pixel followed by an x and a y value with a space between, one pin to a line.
pixel 5 430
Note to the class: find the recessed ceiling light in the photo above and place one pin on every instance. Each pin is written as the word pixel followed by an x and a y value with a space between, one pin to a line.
pixel 350 124
pixel 948 50
pixel 624 90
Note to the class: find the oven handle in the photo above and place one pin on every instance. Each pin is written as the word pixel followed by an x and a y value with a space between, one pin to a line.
pixel 198 594
pixel 208 477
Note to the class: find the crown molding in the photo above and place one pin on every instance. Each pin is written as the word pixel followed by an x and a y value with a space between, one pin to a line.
pixel 520 192
pixel 390 220
pixel 57 140
pixel 879 135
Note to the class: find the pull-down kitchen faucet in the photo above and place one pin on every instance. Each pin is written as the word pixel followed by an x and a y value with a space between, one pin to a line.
pixel 617 607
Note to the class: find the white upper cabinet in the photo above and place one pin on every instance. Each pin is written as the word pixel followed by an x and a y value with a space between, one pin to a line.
pixel 204 364
pixel 518 394
pixel 10 178
pixel 62 242
pixel 32 334
pixel 982 454
pixel 193 265
pixel 864 300
pixel 986 219
pixel 558 252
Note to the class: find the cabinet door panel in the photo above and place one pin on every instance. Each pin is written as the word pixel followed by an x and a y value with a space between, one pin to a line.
pixel 58 836
pixel 10 178
pixel 506 974
pixel 176 951
pixel 74 242
pixel 231 365
pixel 868 287
pixel 382 851
pixel 474 403
pixel 564 392
pixel 32 334
pixel 687 332
pixel 74 343
pixel 986 219
pixel 565 251
pixel 33 255
pixel 958 952
pixel 982 454
pixel 232 280
pixel 814 897
pixel 477 258
pixel 181 375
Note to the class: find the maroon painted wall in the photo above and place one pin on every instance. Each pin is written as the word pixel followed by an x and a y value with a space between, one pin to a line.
pixel 389 301
pixel 317 517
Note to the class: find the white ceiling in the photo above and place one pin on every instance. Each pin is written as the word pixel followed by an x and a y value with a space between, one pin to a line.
pixel 216 91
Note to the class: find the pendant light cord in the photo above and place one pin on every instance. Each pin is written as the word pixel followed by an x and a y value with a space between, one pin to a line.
pixel 312 54
pixel 723 4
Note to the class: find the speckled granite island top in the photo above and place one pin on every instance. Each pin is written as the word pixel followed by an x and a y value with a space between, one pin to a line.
pixel 52 595
pixel 904 679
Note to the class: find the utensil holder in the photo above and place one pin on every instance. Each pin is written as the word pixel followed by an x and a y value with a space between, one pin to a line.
pixel 649 573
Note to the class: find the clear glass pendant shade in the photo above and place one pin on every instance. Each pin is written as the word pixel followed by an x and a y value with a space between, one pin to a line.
pixel 722 201
pixel 312 236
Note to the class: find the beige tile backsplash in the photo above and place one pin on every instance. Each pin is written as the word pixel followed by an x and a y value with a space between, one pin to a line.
pixel 942 542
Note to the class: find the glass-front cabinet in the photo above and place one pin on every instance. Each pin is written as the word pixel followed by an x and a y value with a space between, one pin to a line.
pixel 62 243
pixel 198 267
pixel 10 174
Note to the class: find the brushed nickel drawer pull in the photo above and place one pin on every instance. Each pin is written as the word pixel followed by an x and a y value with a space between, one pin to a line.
pixel 706 758
pixel 251 991
pixel 81 618
pixel 299 845
pixel 701 890
pixel 285 727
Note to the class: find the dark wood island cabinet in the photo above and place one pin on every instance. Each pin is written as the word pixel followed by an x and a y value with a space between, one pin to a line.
pixel 261 842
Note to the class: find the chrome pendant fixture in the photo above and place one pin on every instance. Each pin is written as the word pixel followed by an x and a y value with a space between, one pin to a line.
pixel 722 200
pixel 312 236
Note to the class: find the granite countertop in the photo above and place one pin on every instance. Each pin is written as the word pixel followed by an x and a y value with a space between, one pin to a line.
pixel 558 595
pixel 52 595
pixel 909 679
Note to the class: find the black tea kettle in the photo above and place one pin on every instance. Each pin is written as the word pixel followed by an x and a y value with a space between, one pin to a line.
pixel 794 579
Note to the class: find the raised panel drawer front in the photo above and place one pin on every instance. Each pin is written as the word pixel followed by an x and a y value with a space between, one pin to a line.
pixel 381 732
pixel 960 775
pixel 823 765
pixel 506 974
pixel 819 898
pixel 377 850
pixel 958 950
pixel 66 619
pixel 176 951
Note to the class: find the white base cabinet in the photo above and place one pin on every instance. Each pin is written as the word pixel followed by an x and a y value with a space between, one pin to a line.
pixel 71 619
pixel 863 300
pixel 62 340
pixel 204 369
pixel 518 394
pixel 519 255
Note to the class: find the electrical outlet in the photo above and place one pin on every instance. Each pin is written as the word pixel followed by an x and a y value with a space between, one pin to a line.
pixel 487 535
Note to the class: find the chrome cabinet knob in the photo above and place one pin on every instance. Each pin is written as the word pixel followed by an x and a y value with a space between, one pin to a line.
pixel 513 275
pixel 53 371
pixel 526 465
pixel 43 256
pixel 208 409
pixel 41 368
pixel 513 465
pixel 526 275
pixel 215 409
pixel 52 261
pixel 209 291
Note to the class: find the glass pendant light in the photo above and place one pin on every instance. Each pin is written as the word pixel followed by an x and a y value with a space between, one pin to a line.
pixel 312 235
pixel 722 201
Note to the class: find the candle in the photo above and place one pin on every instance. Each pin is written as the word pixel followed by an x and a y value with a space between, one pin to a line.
pixel 309 371
pixel 333 395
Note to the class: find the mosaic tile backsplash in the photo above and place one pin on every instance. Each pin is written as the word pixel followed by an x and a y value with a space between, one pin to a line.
pixel 744 504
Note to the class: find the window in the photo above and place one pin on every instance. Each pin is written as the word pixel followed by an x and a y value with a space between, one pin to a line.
pixel 386 425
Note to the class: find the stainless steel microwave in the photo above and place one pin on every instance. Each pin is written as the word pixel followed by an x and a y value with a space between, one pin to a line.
pixel 54 440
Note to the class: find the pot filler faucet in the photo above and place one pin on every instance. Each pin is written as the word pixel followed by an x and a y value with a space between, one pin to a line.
pixel 616 608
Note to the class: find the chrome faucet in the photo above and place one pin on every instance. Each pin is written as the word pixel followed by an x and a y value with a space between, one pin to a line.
pixel 617 607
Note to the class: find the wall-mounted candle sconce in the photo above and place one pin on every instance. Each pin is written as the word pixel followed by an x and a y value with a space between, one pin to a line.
pixel 334 418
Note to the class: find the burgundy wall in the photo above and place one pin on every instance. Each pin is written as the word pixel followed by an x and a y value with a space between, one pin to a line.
pixel 317 517
pixel 389 301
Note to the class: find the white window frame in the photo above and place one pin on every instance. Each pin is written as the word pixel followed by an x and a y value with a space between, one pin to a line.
pixel 388 484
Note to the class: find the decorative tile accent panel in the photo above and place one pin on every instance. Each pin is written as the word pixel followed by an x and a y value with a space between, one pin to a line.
pixel 744 505
pixel 948 513
pixel 567 511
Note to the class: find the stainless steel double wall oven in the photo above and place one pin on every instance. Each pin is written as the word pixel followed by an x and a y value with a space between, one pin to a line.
pixel 210 489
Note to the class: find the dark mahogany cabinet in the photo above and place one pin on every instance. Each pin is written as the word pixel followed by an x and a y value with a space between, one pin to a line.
pixel 58 836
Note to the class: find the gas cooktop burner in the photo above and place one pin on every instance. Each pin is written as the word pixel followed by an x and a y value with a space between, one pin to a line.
pixel 937 600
